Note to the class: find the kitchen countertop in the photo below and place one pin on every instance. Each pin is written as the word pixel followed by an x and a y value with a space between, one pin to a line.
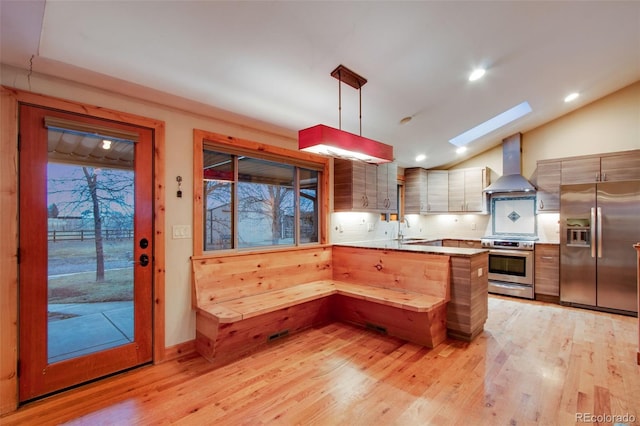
pixel 413 247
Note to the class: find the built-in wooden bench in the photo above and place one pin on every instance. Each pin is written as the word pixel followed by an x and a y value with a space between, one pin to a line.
pixel 245 300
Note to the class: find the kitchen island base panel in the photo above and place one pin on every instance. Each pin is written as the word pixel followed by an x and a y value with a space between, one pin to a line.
pixel 467 310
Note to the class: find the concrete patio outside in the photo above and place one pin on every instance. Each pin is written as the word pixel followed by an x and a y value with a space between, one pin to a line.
pixel 88 327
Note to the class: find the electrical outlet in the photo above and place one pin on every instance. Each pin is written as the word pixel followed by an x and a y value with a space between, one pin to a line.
pixel 480 272
pixel 473 226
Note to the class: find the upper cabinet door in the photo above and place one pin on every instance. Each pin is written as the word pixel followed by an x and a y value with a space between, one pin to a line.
pixel 580 170
pixel 465 190
pixel 474 184
pixel 456 190
pixel 387 196
pixel 548 184
pixel 437 191
pixel 415 190
pixel 619 167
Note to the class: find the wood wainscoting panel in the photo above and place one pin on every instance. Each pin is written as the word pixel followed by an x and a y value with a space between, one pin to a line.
pixel 418 272
pixel 222 343
pixel 245 274
pixel 425 328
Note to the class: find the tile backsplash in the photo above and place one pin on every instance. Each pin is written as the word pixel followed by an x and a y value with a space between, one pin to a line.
pixel 348 227
pixel 514 215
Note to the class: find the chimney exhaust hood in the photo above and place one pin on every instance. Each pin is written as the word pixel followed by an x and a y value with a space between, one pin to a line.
pixel 511 179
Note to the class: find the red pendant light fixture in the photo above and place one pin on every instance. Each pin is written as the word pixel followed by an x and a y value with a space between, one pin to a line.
pixel 321 139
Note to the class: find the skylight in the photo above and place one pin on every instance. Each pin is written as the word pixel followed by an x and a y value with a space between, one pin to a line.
pixel 492 124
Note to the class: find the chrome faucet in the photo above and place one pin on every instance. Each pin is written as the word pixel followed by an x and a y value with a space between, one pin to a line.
pixel 400 233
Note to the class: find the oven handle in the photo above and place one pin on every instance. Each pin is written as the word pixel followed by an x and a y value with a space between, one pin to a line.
pixel 518 253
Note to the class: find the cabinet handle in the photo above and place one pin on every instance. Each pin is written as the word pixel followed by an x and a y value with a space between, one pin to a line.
pixel 541 205
pixel 547 257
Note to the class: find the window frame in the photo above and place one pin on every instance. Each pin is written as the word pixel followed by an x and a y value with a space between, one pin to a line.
pixel 235 146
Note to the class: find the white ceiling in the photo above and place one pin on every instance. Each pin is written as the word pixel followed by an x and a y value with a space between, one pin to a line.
pixel 271 61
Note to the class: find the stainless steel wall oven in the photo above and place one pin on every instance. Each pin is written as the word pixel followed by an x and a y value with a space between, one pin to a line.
pixel 511 266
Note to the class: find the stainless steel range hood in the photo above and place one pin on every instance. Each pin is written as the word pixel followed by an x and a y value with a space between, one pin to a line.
pixel 511 179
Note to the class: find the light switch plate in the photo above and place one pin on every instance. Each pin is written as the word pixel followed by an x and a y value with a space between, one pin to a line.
pixel 181 231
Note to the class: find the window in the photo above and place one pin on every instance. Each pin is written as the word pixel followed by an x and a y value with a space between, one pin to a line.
pixel 256 199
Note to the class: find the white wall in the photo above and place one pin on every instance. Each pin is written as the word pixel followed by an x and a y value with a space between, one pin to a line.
pixel 180 319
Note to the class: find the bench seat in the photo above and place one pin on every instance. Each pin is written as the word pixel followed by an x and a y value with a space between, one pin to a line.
pixel 395 297
pixel 259 304
pixel 245 301
pixel 250 306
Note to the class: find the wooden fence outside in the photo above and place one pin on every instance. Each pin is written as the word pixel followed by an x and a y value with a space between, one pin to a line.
pixel 82 235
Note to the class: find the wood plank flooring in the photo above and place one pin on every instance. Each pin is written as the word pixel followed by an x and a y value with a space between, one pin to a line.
pixel 535 363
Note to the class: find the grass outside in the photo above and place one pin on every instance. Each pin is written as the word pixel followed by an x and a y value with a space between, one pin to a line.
pixel 83 288
pixel 82 252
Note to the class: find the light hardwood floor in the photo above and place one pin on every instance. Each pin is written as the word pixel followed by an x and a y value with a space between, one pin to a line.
pixel 535 363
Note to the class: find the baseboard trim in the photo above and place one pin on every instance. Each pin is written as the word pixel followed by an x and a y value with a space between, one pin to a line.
pixel 181 349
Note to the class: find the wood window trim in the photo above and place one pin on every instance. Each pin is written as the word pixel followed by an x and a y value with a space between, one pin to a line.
pixel 230 144
pixel 10 98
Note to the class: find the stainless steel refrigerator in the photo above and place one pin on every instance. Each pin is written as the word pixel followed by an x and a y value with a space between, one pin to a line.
pixel 599 223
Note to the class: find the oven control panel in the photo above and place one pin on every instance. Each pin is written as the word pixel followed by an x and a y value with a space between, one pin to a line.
pixel 508 244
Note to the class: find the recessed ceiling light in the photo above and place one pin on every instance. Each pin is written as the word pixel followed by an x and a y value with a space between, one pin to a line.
pixel 492 124
pixel 421 157
pixel 405 120
pixel 572 97
pixel 477 74
pixel 106 144
pixel 461 150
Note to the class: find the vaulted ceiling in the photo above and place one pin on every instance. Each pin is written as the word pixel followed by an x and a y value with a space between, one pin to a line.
pixel 271 61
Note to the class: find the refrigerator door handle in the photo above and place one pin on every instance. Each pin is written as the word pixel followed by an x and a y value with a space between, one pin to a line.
pixel 599 231
pixel 593 232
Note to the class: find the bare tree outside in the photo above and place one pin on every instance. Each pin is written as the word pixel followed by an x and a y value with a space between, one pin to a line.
pixel 102 196
pixel 264 213
pixel 268 204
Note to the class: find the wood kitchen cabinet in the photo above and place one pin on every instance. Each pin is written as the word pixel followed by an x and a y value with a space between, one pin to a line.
pixel 548 186
pixel 437 191
pixel 612 167
pixel 415 190
pixel 547 270
pixel 387 187
pixel 355 186
pixel 364 187
pixel 465 190
pixel 426 191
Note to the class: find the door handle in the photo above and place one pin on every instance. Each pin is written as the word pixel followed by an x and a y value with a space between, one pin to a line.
pixel 593 232
pixel 599 232
pixel 144 259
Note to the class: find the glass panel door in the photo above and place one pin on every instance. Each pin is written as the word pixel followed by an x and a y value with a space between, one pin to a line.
pixel 86 249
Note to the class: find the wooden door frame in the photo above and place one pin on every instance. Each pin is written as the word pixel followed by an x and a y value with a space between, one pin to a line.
pixel 9 100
